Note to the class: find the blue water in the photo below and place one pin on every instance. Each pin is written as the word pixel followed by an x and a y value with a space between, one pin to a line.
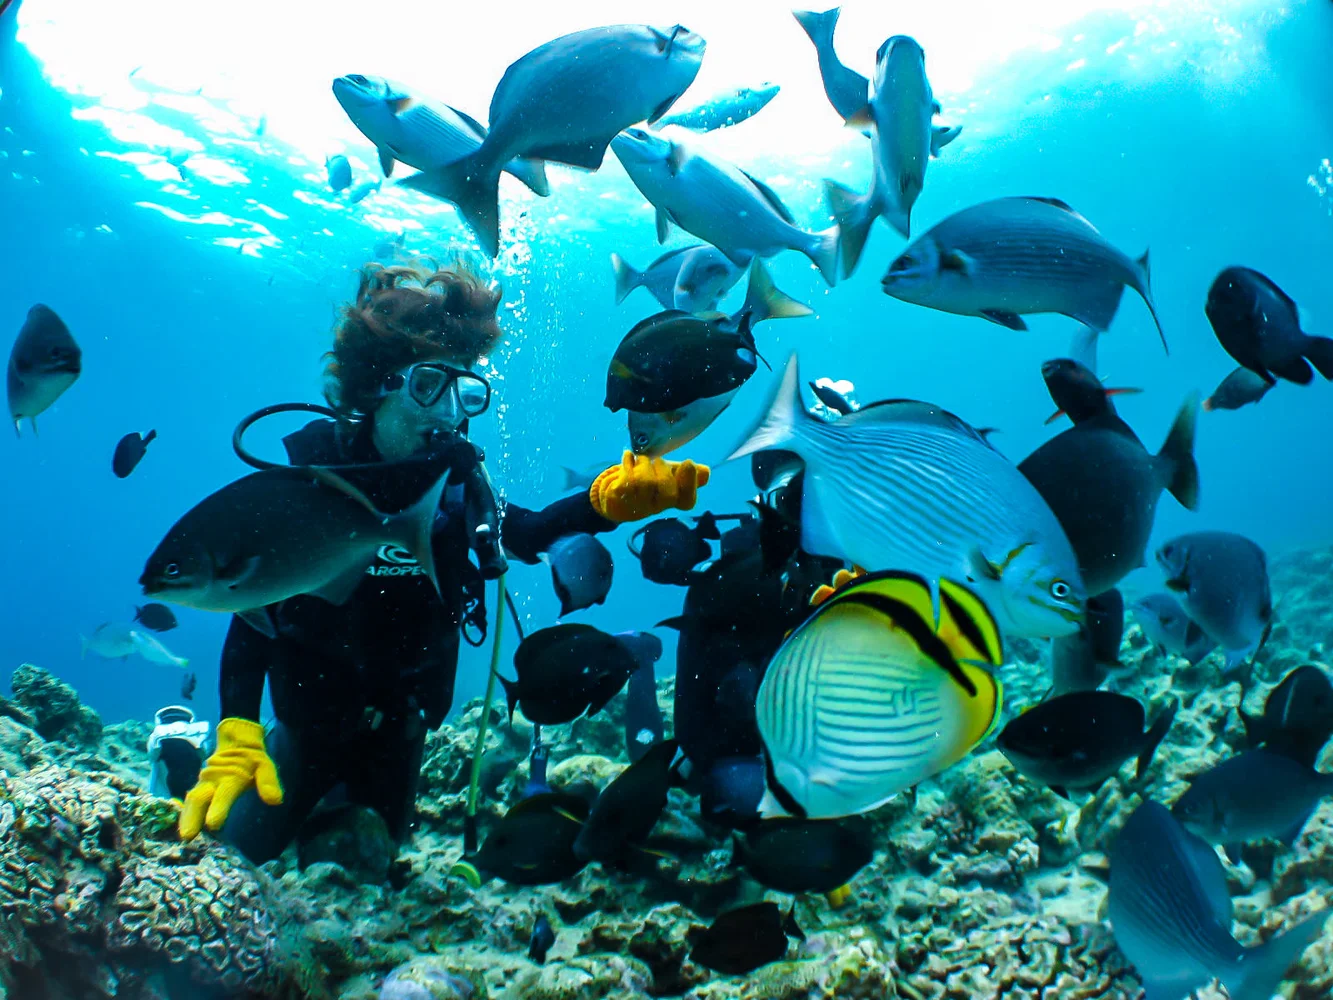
pixel 1199 140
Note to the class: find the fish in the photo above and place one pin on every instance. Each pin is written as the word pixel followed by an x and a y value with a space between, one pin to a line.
pixel 669 549
pixel 869 696
pixel 1077 393
pixel 157 617
pixel 150 647
pixel 363 190
pixel 1171 913
pixel 1010 257
pixel 581 571
pixel 565 101
pixel 628 808
pixel 1076 741
pixel 1166 625
pixel 1082 661
pixel 643 716
pixel 742 940
pixel 1103 486
pixel 723 110
pixel 806 855
pixel 272 535
pixel 835 396
pixel 718 202
pixel 1238 389
pixel 541 940
pixel 339 171
pixel 424 134
pixel 1253 795
pixel 43 363
pixel 533 843
pixel 1221 579
pixel 565 671
pixel 846 89
pixel 900 110
pixel 130 451
pixel 117 641
pixel 188 684
pixel 730 790
pixel 907 485
pixel 1259 325
pixel 1297 719
pixel 581 479
pixel 692 279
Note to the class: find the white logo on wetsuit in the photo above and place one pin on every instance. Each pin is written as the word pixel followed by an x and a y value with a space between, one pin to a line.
pixel 400 562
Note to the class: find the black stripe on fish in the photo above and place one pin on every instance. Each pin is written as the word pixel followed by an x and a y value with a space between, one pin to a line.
pixel 930 644
pixel 966 625
pixel 783 796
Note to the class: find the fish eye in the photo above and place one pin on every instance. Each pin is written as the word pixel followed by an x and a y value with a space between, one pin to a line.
pixel 1061 590
pixel 637 133
pixel 172 571
pixel 640 440
pixel 357 79
pixel 902 263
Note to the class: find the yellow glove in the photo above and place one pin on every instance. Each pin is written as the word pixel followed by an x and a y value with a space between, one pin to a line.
pixel 239 762
pixel 640 487
pixel 840 579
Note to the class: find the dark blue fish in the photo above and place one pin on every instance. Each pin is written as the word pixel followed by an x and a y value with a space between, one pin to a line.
pixel 581 571
pixel 628 808
pixel 130 451
pixel 1298 716
pixel 730 790
pixel 1082 661
pixel 725 109
pixel 1171 911
pixel 643 716
pixel 742 940
pixel 669 549
pixel 1259 325
pixel 542 939
pixel 806 855
pixel 157 617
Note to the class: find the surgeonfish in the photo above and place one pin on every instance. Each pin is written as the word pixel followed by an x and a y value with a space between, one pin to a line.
pixel 129 452
pixel 565 671
pixel 906 485
pixel 742 940
pixel 869 696
pixel 581 571
pixel 1010 257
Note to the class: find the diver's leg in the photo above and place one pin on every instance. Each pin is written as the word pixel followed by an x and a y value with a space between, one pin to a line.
pixel 262 832
pixel 387 772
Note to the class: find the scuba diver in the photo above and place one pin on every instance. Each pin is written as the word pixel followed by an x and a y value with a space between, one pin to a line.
pixel 356 687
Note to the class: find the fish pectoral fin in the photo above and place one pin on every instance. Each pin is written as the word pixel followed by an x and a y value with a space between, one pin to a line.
pixel 663 224
pixel 238 571
pixel 957 260
pixel 981 568
pixel 261 620
pixel 864 117
pixel 400 104
pixel 387 160
pixel 676 158
pixel 1007 319
pixel 1178 584
pixel 339 590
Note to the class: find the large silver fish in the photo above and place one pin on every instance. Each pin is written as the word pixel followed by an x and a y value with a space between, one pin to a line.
pixel 902 142
pixel 845 88
pixel 1221 580
pixel 44 362
pixel 1012 257
pixel 906 485
pixel 691 279
pixel 718 202
pixel 421 133
pixel 565 101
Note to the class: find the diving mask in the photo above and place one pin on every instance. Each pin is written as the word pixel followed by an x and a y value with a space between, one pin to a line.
pixel 427 381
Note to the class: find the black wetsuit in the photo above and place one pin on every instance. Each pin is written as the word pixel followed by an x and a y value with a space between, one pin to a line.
pixel 356 687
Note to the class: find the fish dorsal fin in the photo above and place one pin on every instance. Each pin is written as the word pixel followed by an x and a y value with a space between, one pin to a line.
pixel 967 626
pixel 669 254
pixel 477 127
pixel 913 411
pixel 1057 202
pixel 772 198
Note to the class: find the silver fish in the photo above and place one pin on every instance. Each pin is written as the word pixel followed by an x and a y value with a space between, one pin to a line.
pixel 151 648
pixel 1238 389
pixel 1222 582
pixel 718 202
pixel 1171 912
pixel 421 133
pixel 1166 625
pixel 905 485
pixel 845 88
pixel 581 571
pixel 1011 257
pixel 902 142
pixel 728 108
pixel 339 171
pixel 565 101
pixel 118 640
pixel 44 362
pixel 691 279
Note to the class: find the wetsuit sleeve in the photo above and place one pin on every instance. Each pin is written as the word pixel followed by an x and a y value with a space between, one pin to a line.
pixel 527 533
pixel 246 655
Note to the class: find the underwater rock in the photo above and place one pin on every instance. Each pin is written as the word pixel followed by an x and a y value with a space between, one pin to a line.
pixel 355 838
pixel 55 707
pixel 429 978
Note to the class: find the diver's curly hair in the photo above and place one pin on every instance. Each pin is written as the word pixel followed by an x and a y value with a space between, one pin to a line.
pixel 406 314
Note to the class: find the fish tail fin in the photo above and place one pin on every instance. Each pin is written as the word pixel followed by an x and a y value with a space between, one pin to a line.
pixel 1156 733
pixel 511 695
pixel 1319 352
pixel 531 174
pixel 764 300
pixel 1256 728
pixel 1145 289
pixel 1257 974
pixel 1177 455
pixel 818 25
pixel 471 185
pixel 151 435
pixel 854 214
pixel 823 252
pixel 780 424
pixel 627 278
pixel 1083 347
pixel 413 528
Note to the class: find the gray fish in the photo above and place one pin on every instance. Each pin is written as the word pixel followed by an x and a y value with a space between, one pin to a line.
pixel 339 171
pixel 581 571
pixel 834 399
pixel 188 684
pixel 130 451
pixel 1166 625
pixel 1238 389
pixel 1170 911
pixel 1103 486
pixel 116 641
pixel 1082 661
pixel 44 362
pixel 902 142
pixel 421 133
pixel 581 479
pixel 285 531
pixel 906 485
pixel 1250 796
pixel 541 940
pixel 362 191
pixel 565 101
pixel 846 89
pixel 725 109
pixel 1298 716
pixel 692 279
pixel 1011 257
pixel 1222 581
pixel 718 202
pixel 643 716
pixel 1260 326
